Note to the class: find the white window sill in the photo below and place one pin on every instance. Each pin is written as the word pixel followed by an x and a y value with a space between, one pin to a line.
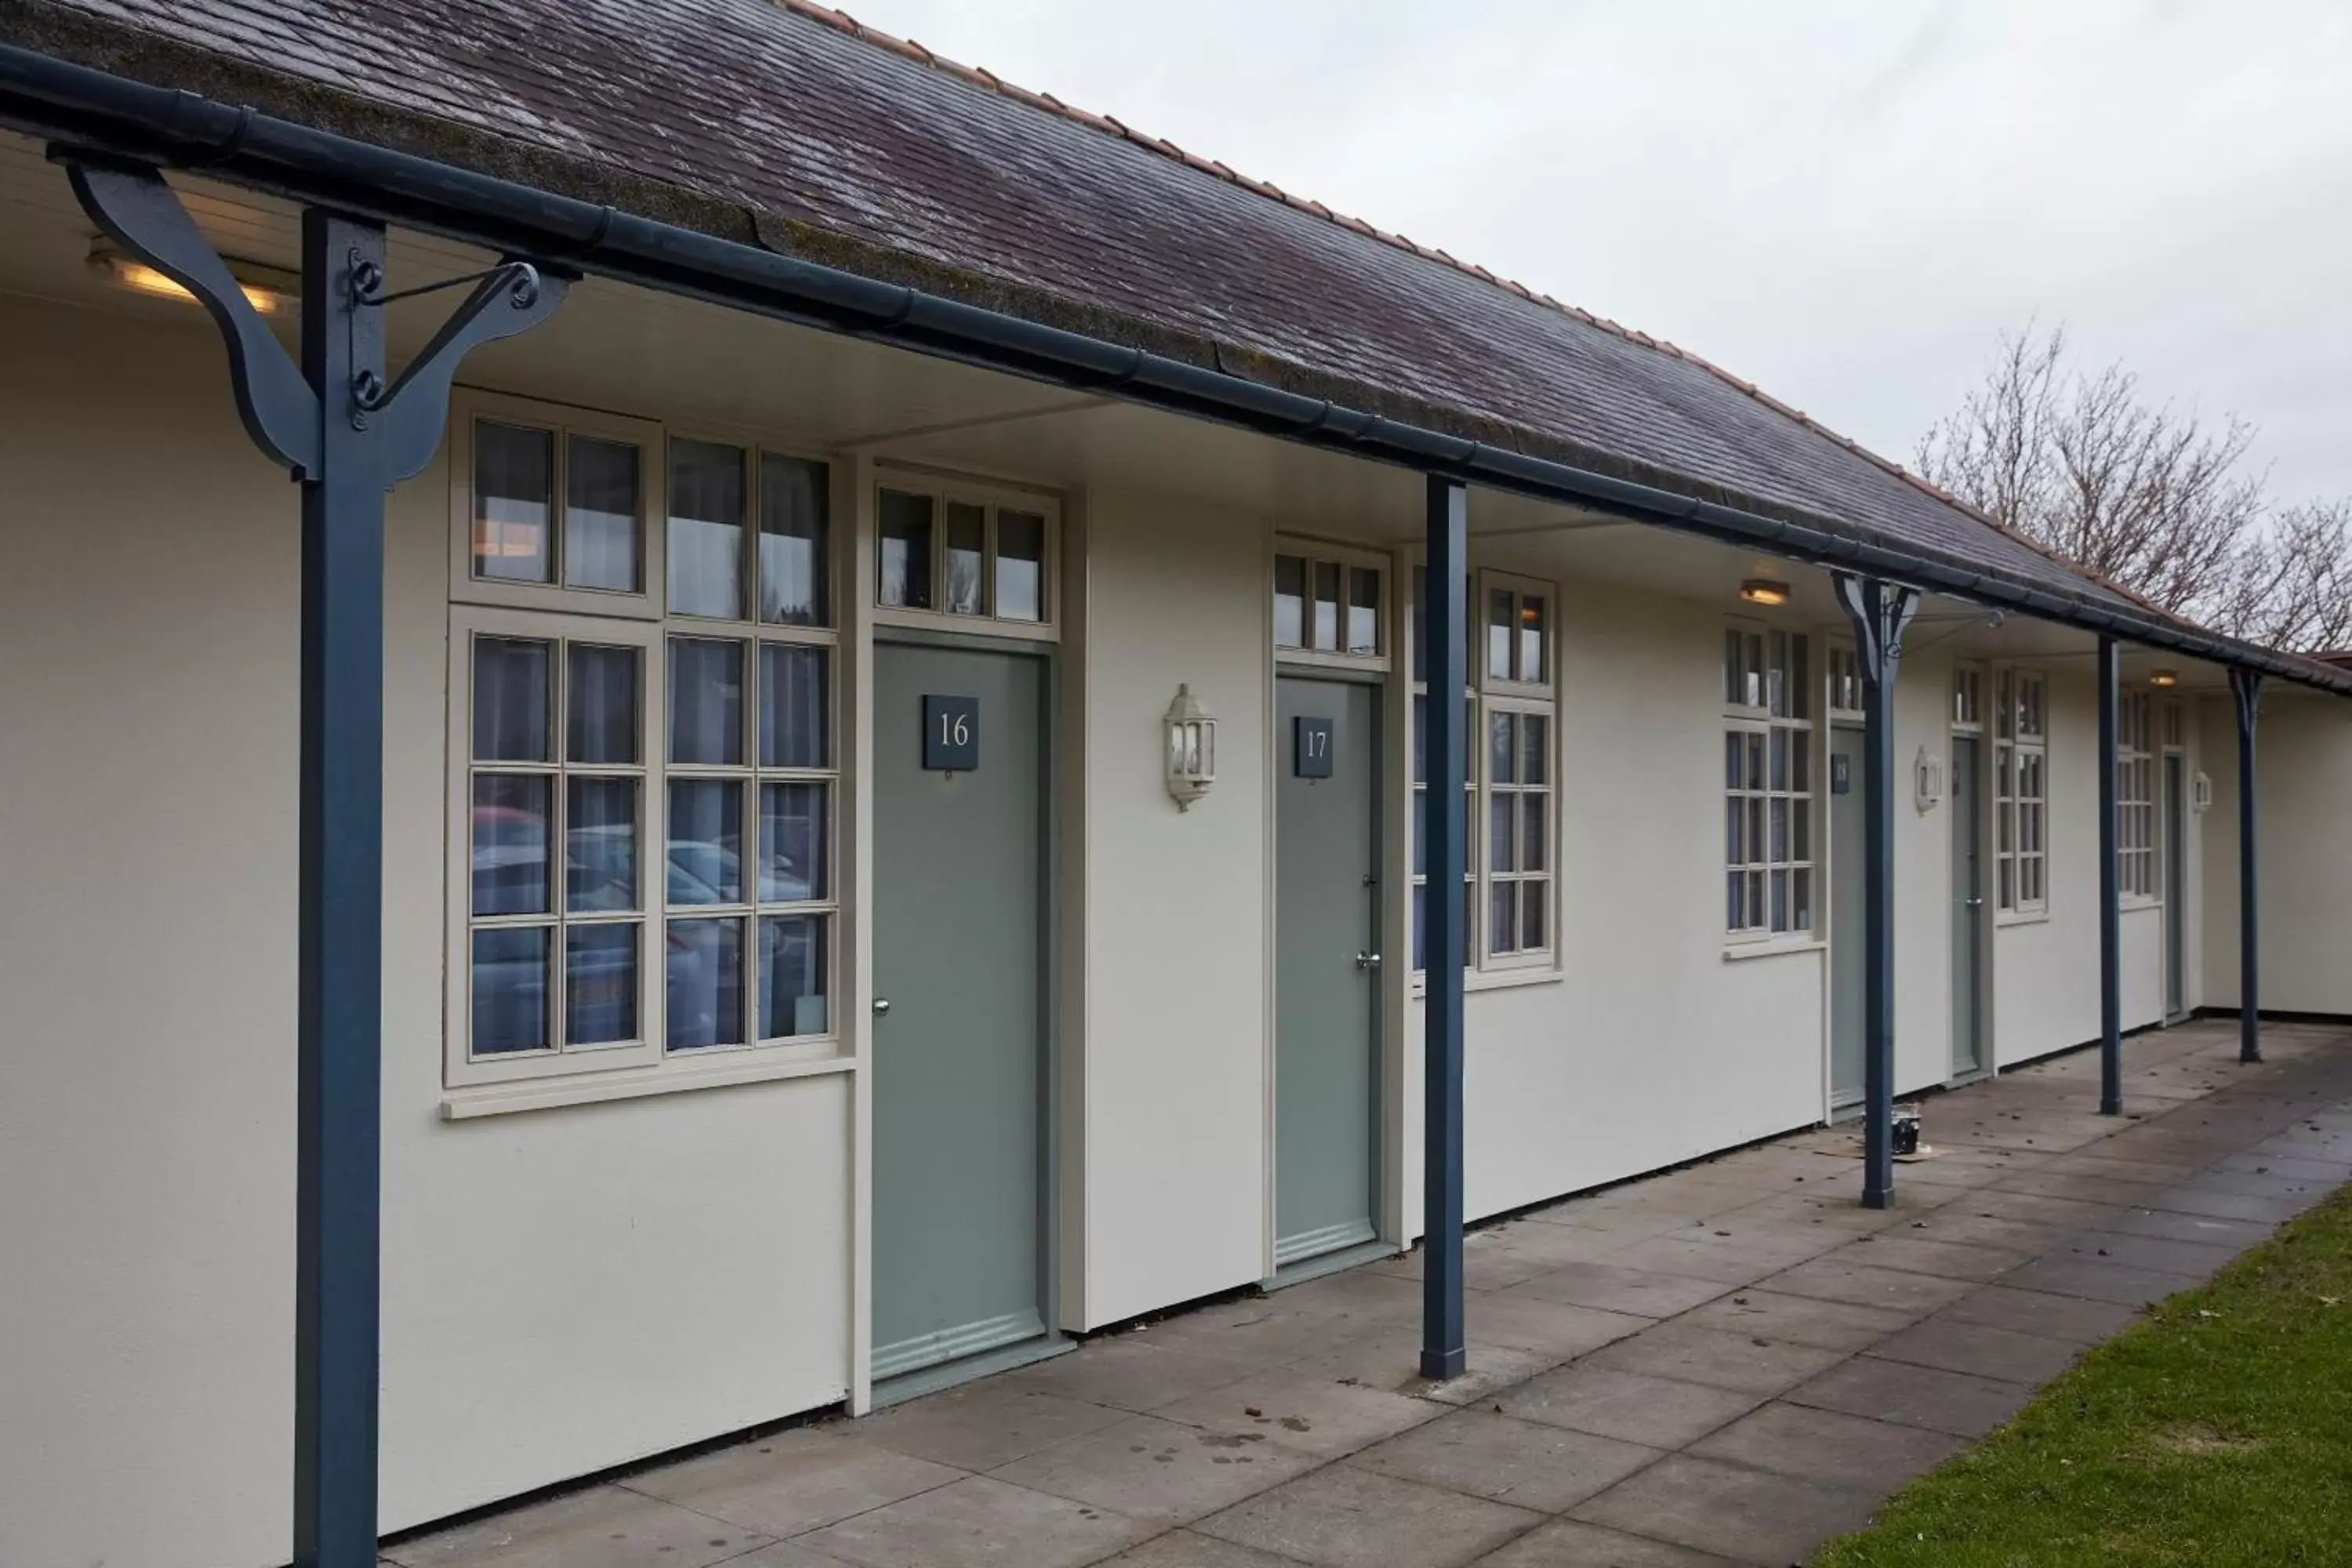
pixel 2128 905
pixel 1775 948
pixel 2020 918
pixel 1496 979
pixel 633 1083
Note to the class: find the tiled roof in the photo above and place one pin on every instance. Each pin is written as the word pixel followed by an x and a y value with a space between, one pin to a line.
pixel 806 123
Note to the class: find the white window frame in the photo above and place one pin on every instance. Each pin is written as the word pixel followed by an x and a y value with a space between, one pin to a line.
pixel 1752 723
pixel 1842 677
pixel 1486 697
pixel 1348 561
pixel 2138 872
pixel 995 497
pixel 558 615
pixel 2021 698
pixel 469 407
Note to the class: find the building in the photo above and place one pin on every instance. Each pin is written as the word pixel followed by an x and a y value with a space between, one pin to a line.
pixel 910 459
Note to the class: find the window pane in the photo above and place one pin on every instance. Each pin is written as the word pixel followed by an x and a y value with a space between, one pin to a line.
pixel 1731 911
pixel 1327 604
pixel 706 701
pixel 511 700
pixel 1735 747
pixel 1420 926
pixel 1779 828
pixel 1800 899
pixel 1417 832
pixel 1800 761
pixel 601 529
pixel 792 976
pixel 795 698
pixel 1502 838
pixel 1503 918
pixel 706 530
pixel 1531 638
pixel 792 842
pixel 1735 839
pixel 795 547
pixel 510 833
pixel 1020 566
pixel 1734 690
pixel 1752 668
pixel 600 984
pixel 600 835
pixel 1420 739
pixel 1535 829
pixel 1755 760
pixel 510 989
pixel 1499 616
pixel 1535 914
pixel 1502 750
pixel 1779 758
pixel 1290 602
pixel 1801 824
pixel 514 487
pixel 1535 749
pixel 904 568
pixel 601 720
pixel 1363 610
pixel 705 983
pixel 706 842
pixel 967 557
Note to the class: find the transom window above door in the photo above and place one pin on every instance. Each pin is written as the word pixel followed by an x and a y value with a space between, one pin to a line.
pixel 1330 603
pixel 947 552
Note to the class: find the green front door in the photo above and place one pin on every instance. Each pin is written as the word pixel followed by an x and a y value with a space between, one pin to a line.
pixel 958 1038
pixel 1327 903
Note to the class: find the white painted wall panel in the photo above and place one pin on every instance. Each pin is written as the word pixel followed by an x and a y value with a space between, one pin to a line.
pixel 1176 949
pixel 2304 763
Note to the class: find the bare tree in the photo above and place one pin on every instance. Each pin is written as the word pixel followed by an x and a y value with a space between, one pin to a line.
pixel 2149 496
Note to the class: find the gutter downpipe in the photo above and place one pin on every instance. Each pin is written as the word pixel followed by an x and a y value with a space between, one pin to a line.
pixel 88 107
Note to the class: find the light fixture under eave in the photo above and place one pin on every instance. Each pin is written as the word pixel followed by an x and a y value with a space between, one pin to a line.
pixel 2164 679
pixel 1764 591
pixel 268 290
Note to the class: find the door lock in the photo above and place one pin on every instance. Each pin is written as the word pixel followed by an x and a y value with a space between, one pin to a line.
pixel 1368 961
pixel 881 1006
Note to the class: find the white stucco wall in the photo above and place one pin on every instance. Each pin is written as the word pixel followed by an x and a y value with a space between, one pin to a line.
pixel 563 1289
pixel 2303 819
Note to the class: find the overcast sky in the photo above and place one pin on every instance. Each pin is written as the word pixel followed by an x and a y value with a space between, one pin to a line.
pixel 1845 201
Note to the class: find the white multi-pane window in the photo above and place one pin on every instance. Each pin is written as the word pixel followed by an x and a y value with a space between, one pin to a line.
pixel 1844 670
pixel 1968 699
pixel 645 762
pixel 1512 856
pixel 963 552
pixel 2136 856
pixel 1326 603
pixel 2021 787
pixel 1768 779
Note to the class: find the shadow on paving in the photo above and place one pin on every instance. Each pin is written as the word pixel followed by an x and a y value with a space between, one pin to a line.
pixel 1729 1362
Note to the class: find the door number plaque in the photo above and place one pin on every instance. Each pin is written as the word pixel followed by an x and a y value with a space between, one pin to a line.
pixel 952 734
pixel 1310 744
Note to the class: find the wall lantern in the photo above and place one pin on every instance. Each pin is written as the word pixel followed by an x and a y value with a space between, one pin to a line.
pixel 1764 591
pixel 2200 791
pixel 1192 749
pixel 1926 781
pixel 269 290
pixel 2163 679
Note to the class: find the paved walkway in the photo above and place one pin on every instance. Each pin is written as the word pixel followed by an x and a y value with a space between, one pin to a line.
pixel 1731 1362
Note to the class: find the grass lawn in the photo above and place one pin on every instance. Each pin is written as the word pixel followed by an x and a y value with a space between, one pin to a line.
pixel 2217 1431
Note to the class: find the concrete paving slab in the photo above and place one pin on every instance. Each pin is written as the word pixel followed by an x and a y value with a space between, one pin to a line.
pixel 1344 1517
pixel 1981 1349
pixel 1633 1407
pixel 2170 1227
pixel 1130 1371
pixel 1389 1359
pixel 2197 1259
pixel 1836 1279
pixel 1953 1402
pixel 1571 1544
pixel 979 1427
pixel 1526 1463
pixel 1162 1472
pixel 1555 1330
pixel 1914 1254
pixel 1798 1319
pixel 979 1522
pixel 2099 1279
pixel 1747 1363
pixel 2072 1318
pixel 599 1527
pixel 1830 1445
pixel 1310 1416
pixel 1617 1288
pixel 1190 1549
pixel 791 1481
pixel 1748 1515
pixel 1959 1222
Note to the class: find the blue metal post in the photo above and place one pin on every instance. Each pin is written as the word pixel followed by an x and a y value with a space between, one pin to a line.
pixel 2111 991
pixel 339 1046
pixel 2246 688
pixel 1445 615
pixel 1880 613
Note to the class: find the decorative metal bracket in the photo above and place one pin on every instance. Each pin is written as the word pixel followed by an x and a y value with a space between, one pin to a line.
pixel 281 410
pixel 1881 612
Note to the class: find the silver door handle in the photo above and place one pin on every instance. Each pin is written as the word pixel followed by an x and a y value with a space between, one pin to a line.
pixel 1368 961
pixel 1973 903
pixel 881 1006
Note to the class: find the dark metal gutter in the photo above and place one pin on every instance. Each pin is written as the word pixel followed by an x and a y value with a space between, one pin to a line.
pixel 51 98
